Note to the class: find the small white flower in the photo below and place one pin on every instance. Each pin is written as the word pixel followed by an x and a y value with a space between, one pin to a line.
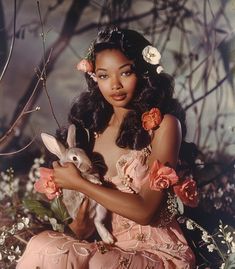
pixel 159 69
pixel 189 225
pixel 17 250
pixel 25 221
pixel 11 258
pixel 228 237
pixel 211 247
pixel 2 241
pixel 56 226
pixel 151 55
pixel 20 226
pixel 233 247
pixel 205 237
pixel 222 266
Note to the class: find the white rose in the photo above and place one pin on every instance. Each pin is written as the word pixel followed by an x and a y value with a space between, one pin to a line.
pixel 151 55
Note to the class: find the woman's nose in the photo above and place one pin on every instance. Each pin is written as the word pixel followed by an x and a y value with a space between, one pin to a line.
pixel 116 84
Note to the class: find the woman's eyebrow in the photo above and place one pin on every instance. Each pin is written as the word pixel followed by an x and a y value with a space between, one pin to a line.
pixel 122 66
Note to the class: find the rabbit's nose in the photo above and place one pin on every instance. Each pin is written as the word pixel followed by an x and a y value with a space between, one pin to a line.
pixel 75 158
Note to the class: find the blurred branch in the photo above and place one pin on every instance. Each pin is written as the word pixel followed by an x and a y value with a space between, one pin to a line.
pixel 44 62
pixel 28 100
pixel 12 44
pixel 210 91
pixel 223 171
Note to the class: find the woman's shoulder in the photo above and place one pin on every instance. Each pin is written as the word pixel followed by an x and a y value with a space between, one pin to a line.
pixel 167 140
pixel 169 121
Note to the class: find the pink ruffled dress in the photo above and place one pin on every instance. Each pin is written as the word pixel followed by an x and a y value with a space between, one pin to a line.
pixel 160 246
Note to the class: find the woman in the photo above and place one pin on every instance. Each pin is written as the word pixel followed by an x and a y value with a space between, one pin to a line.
pixel 138 130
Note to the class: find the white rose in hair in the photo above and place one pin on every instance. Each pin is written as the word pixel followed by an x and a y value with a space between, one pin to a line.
pixel 151 55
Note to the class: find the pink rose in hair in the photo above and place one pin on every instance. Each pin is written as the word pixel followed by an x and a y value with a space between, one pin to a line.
pixel 161 176
pixel 85 66
pixel 45 184
pixel 187 192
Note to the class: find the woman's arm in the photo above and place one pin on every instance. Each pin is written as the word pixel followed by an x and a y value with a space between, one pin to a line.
pixel 138 207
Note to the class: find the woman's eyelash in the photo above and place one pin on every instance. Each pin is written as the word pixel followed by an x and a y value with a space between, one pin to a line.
pixel 127 73
pixel 102 76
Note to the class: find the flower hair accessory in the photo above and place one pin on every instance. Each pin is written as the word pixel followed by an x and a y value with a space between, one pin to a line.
pixel 151 119
pixel 86 66
pixel 152 56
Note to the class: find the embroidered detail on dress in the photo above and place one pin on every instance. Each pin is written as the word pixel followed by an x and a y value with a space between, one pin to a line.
pixel 101 247
pixel 174 250
pixel 147 151
pixel 124 262
pixel 127 181
pixel 141 237
pixel 169 212
pixel 126 225
pixel 122 162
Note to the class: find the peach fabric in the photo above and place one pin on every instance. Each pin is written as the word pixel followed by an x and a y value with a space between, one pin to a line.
pixel 136 246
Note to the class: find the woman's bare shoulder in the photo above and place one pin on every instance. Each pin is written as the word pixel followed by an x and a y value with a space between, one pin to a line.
pixel 167 140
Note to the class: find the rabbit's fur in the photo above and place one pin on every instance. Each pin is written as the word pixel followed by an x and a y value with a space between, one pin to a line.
pixel 73 199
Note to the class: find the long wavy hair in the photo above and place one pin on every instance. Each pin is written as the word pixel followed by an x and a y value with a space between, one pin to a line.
pixel 93 112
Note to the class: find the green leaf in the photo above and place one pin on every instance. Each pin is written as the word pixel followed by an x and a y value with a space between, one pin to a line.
pixel 60 211
pixel 40 208
pixel 230 262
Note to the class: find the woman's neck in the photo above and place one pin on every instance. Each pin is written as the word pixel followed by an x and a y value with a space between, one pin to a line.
pixel 118 117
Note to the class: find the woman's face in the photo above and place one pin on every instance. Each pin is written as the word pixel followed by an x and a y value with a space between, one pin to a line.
pixel 115 77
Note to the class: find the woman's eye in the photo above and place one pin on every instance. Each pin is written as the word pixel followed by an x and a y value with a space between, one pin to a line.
pixel 102 76
pixel 127 73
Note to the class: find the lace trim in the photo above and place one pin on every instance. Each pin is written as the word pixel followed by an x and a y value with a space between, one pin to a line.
pixel 169 212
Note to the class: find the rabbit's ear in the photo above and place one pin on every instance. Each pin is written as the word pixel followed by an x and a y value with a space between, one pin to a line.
pixel 53 145
pixel 71 138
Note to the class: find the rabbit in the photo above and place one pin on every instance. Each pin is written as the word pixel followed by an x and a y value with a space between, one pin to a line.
pixel 71 198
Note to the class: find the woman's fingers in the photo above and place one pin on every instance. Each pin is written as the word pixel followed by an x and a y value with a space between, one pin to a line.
pixel 83 210
pixel 56 164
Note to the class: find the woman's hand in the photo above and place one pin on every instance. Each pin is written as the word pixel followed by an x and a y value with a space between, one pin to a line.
pixel 83 226
pixel 66 176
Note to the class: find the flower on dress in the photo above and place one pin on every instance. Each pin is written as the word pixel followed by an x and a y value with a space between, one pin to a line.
pixel 151 55
pixel 161 176
pixel 151 119
pixel 187 192
pixel 45 184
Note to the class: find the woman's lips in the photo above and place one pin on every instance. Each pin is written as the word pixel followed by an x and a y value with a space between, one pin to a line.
pixel 118 97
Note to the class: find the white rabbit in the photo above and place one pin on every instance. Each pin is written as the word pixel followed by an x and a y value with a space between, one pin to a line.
pixel 73 199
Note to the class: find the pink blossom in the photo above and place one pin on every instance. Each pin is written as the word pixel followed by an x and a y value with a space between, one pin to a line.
pixel 187 192
pixel 45 184
pixel 85 66
pixel 161 176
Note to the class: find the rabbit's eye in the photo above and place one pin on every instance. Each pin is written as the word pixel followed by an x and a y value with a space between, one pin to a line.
pixel 75 158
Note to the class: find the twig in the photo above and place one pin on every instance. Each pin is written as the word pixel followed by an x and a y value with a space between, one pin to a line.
pixel 18 151
pixel 23 112
pixel 20 239
pixel 12 44
pixel 44 61
pixel 209 92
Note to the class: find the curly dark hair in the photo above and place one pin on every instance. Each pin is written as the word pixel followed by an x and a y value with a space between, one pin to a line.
pixel 93 112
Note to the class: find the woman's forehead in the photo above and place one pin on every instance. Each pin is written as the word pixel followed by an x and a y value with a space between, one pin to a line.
pixel 111 57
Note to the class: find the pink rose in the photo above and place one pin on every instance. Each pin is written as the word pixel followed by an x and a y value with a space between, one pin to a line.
pixel 151 119
pixel 85 66
pixel 187 192
pixel 161 176
pixel 45 184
